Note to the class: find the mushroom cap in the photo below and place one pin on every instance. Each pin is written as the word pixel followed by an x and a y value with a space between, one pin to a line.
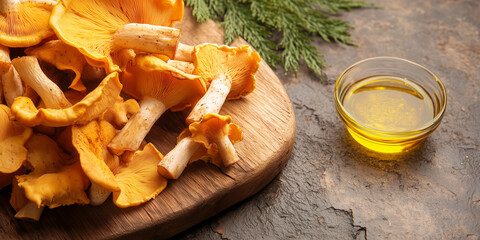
pixel 138 178
pixel 44 155
pixel 91 142
pixel 151 76
pixel 238 63
pixel 64 187
pixel 91 107
pixel 89 25
pixel 12 140
pixel 121 110
pixel 25 23
pixel 62 56
pixel 212 127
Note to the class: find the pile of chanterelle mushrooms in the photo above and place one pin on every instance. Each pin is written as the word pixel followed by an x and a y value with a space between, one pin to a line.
pixel 68 137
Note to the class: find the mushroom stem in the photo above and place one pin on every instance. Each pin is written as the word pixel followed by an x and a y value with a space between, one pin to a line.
pixel 29 211
pixel 213 99
pixel 148 38
pixel 227 151
pixel 98 194
pixel 29 70
pixel 173 164
pixel 132 135
pixel 12 85
pixel 5 61
pixel 9 6
pixel 184 53
pixel 1 91
pixel 186 67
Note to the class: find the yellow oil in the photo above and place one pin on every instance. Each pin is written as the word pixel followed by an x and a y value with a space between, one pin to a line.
pixel 387 104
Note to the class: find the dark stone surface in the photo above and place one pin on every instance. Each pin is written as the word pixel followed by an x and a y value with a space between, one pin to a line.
pixel 332 188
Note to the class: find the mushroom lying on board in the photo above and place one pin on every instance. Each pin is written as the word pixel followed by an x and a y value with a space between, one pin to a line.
pixel 12 140
pixel 98 28
pixel 63 57
pixel 229 73
pixel 24 23
pixel 91 107
pixel 91 141
pixel 151 80
pixel 65 187
pixel 31 73
pixel 213 137
pixel 44 156
pixel 138 179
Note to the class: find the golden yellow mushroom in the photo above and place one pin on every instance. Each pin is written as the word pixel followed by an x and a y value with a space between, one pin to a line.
pixel 138 179
pixel 99 28
pixel 151 78
pixel 212 138
pixel 229 73
pixel 12 139
pixel 88 109
pixel 25 23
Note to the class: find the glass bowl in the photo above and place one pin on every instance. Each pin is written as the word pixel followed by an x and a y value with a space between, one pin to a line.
pixel 389 104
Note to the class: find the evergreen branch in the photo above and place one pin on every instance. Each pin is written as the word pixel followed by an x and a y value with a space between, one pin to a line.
pixel 335 6
pixel 238 22
pixel 200 9
pixel 298 21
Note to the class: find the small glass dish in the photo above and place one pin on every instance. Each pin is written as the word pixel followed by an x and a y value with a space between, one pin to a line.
pixel 389 104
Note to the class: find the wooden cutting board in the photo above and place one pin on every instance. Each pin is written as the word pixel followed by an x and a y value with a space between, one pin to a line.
pixel 268 126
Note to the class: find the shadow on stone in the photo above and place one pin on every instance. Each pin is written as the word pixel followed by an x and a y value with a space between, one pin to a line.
pixel 385 161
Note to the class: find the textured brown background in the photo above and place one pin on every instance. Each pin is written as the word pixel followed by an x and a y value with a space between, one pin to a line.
pixel 331 188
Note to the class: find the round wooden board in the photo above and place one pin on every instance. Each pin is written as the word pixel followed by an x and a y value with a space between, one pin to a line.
pixel 267 121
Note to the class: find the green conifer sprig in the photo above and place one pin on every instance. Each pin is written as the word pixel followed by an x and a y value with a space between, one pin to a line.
pixel 298 21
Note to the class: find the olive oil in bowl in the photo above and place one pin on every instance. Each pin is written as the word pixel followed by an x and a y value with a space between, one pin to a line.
pixel 386 103
pixel 389 112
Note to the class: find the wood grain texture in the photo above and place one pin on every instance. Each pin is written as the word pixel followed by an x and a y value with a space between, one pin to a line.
pixel 268 127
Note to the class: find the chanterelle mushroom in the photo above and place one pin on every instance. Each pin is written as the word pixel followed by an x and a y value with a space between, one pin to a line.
pixel 213 137
pixel 91 143
pixel 44 157
pixel 30 71
pixel 65 187
pixel 228 72
pixel 91 107
pixel 138 178
pixel 63 57
pixel 12 140
pixel 24 23
pixel 98 28
pixel 160 91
